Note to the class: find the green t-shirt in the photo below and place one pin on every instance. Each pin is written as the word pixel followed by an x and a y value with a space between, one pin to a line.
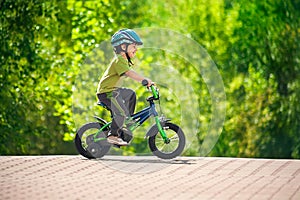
pixel 114 75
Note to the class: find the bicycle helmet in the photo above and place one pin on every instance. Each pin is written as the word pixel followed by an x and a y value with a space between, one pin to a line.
pixel 125 36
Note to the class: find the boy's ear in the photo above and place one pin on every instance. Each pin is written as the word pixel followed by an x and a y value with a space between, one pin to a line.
pixel 123 47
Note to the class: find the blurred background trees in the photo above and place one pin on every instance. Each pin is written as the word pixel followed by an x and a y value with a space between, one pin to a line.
pixel 255 45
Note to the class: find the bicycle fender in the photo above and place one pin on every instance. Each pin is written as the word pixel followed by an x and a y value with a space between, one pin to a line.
pixel 154 128
pixel 102 121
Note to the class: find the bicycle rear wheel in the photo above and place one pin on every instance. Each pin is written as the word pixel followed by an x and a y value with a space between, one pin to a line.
pixel 166 150
pixel 84 141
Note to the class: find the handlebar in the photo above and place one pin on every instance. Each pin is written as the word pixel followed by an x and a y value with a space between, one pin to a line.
pixel 154 90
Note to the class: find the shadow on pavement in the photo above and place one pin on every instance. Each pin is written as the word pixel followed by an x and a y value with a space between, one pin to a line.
pixel 147 160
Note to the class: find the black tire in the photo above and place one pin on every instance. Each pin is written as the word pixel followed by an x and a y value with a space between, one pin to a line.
pixel 163 150
pixel 84 144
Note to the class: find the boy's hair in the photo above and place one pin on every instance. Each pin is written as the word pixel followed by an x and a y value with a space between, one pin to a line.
pixel 118 49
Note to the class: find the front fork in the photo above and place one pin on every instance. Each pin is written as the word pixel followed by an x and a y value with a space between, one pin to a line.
pixel 161 130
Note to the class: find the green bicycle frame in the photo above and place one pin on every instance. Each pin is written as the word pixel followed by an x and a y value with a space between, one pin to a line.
pixel 140 117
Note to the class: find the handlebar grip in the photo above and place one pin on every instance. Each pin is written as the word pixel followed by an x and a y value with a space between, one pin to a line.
pixel 144 82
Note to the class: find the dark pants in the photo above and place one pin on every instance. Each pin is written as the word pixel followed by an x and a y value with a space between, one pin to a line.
pixel 121 102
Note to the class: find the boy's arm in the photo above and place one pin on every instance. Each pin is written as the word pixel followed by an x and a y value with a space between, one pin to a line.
pixel 135 76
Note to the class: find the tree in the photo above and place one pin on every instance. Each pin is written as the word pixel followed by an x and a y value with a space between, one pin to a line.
pixel 46 48
pixel 262 97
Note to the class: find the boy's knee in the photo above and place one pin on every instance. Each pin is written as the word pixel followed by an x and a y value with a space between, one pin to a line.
pixel 133 95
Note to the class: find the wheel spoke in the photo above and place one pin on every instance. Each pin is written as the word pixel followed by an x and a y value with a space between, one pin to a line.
pixel 175 137
pixel 167 147
pixel 161 149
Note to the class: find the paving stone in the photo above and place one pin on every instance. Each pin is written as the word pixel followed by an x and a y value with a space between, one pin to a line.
pixel 147 177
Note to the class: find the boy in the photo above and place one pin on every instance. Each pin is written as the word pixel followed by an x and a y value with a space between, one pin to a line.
pixel 121 101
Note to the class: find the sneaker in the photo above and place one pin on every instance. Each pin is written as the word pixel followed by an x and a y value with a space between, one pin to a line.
pixel 116 140
pixel 125 135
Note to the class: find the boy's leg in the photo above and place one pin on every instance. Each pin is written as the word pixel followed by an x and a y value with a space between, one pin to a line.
pixel 117 116
pixel 129 97
pixel 120 110
pixel 111 101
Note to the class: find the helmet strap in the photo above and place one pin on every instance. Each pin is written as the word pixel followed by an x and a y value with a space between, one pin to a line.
pixel 130 63
pixel 129 60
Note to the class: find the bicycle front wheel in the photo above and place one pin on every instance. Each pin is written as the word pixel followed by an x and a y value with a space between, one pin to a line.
pixel 168 150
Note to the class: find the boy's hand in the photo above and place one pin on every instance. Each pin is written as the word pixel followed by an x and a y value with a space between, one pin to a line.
pixel 150 82
pixel 147 82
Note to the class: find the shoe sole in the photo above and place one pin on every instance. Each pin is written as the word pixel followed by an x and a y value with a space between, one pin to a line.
pixel 114 142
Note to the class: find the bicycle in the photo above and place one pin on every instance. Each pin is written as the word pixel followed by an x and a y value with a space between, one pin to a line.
pixel 165 139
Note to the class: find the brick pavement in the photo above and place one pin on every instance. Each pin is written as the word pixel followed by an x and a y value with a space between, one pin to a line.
pixel 118 177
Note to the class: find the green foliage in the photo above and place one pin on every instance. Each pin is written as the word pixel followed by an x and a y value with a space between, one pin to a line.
pixel 262 96
pixel 52 51
pixel 29 61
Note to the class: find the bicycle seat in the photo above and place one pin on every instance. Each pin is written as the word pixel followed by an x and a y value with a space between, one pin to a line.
pixel 103 105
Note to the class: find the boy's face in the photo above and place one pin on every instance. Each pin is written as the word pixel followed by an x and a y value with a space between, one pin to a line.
pixel 131 50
